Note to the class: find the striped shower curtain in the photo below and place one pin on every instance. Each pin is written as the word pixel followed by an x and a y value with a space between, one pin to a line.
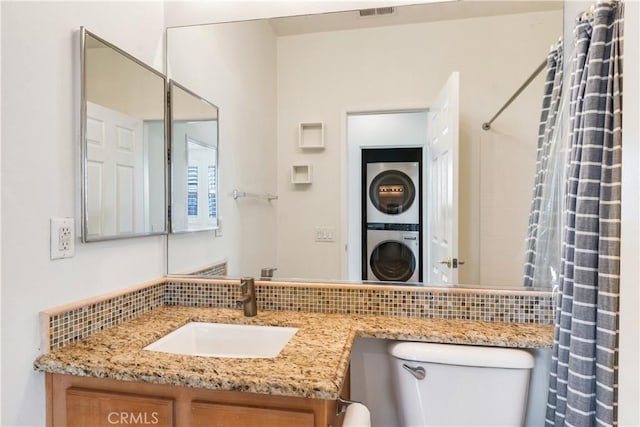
pixel 583 378
pixel 541 256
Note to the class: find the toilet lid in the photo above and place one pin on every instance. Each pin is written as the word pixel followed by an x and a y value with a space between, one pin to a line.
pixel 463 355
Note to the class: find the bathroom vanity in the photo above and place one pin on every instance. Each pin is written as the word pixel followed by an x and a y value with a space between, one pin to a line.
pixel 109 375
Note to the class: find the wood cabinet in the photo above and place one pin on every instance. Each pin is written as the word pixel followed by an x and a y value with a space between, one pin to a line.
pixel 74 401
pixel 220 415
pixel 99 409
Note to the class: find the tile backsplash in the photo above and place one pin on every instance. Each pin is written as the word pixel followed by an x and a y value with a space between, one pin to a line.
pixel 74 322
pixel 441 303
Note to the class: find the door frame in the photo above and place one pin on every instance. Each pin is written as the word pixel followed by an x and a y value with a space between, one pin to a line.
pixel 351 169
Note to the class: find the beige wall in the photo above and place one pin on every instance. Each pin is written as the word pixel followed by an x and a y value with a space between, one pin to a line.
pixel 323 76
pixel 234 67
pixel 121 84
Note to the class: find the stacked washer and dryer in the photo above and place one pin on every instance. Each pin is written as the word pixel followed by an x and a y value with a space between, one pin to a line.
pixel 392 214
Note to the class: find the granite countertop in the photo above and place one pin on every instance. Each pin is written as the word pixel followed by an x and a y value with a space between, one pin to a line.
pixel 313 364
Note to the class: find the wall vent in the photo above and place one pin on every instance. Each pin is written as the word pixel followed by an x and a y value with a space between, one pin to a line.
pixel 367 13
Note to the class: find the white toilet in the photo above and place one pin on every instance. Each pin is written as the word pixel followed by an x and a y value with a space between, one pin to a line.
pixel 459 385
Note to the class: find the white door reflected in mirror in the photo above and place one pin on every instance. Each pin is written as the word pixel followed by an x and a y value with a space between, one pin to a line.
pixel 443 176
pixel 115 163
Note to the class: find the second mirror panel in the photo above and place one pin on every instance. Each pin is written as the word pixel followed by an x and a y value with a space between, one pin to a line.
pixel 194 161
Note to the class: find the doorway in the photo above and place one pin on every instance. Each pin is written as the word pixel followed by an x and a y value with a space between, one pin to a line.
pixel 391 145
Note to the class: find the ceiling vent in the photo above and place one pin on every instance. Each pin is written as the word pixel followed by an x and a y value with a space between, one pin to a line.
pixel 380 11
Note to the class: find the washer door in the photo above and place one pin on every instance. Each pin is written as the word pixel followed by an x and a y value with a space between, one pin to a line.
pixel 392 192
pixel 392 261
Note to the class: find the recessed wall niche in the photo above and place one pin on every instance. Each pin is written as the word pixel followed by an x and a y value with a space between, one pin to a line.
pixel 311 136
pixel 301 174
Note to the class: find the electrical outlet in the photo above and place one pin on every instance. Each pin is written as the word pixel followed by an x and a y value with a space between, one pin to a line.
pixel 62 238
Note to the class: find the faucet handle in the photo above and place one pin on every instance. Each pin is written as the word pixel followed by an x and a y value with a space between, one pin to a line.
pixel 267 272
pixel 247 285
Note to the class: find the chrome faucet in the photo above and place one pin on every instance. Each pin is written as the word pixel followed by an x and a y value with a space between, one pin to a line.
pixel 248 300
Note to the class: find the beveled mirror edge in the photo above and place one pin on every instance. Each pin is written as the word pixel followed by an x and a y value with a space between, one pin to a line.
pixel 170 228
pixel 83 141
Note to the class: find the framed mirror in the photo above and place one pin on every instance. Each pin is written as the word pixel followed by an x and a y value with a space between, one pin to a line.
pixel 123 144
pixel 275 76
pixel 193 162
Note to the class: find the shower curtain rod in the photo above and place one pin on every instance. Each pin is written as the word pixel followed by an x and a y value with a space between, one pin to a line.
pixel 487 125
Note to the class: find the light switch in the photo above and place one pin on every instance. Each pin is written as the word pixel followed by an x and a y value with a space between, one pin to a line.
pixel 325 234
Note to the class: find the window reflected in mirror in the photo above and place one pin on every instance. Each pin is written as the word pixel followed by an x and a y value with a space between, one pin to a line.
pixel 194 161
pixel 123 144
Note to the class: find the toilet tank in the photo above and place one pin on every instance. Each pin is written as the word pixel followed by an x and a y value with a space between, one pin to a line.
pixel 459 385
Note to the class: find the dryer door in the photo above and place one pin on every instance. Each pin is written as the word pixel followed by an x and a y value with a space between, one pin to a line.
pixel 392 261
pixel 392 192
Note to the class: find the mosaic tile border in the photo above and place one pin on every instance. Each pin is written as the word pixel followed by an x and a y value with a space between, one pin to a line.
pixel 215 269
pixel 202 293
pixel 439 303
pixel 67 324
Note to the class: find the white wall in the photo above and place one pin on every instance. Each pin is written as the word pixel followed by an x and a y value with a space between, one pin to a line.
pixel 233 66
pixel 322 76
pixel 629 362
pixel 1 200
pixel 40 158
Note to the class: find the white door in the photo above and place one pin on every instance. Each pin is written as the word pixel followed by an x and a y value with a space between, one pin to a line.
pixel 443 183
pixel 115 172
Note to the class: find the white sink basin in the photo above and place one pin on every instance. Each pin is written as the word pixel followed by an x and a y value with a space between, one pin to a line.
pixel 225 340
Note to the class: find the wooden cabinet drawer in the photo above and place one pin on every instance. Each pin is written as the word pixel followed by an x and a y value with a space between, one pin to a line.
pixel 108 409
pixel 226 415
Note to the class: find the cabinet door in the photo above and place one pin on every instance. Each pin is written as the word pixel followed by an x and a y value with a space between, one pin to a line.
pixel 102 409
pixel 226 415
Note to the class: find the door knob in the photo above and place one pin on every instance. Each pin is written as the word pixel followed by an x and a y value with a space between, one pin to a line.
pixel 455 262
pixel 447 262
